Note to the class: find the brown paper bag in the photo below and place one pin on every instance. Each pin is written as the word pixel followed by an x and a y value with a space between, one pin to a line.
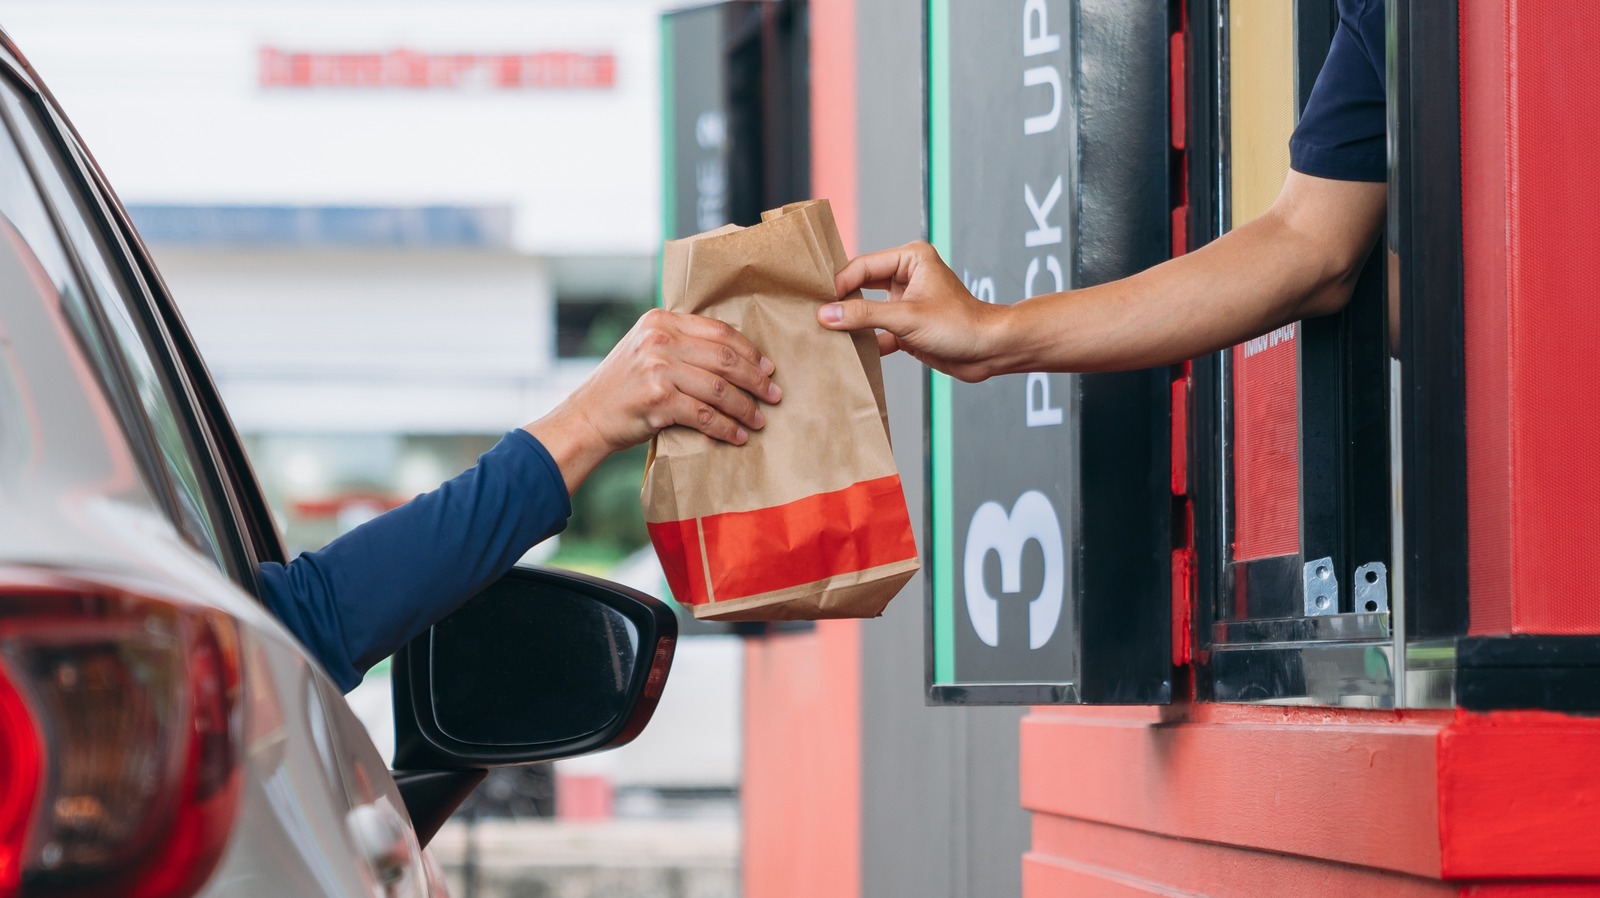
pixel 807 520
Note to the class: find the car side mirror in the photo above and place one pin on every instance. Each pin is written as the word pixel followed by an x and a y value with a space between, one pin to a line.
pixel 543 664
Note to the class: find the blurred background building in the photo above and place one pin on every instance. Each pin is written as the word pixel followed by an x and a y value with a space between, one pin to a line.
pixel 397 229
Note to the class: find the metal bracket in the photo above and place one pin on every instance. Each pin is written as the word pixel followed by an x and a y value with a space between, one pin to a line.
pixel 1372 587
pixel 1322 588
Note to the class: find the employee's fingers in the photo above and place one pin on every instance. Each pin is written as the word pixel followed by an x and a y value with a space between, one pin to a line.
pixel 722 396
pixel 722 360
pixel 873 271
pixel 855 314
pixel 887 343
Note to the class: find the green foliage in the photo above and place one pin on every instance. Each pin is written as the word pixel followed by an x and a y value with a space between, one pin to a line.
pixel 606 519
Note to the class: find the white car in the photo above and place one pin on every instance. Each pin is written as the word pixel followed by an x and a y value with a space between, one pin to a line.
pixel 160 732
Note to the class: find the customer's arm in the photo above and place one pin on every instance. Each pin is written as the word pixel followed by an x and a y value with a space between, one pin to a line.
pixel 362 596
pixel 1299 259
pixel 357 600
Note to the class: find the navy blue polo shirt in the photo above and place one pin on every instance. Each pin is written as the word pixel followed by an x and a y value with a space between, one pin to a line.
pixel 363 596
pixel 1342 132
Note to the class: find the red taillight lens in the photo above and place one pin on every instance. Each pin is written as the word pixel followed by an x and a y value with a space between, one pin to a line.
pixel 134 701
pixel 21 758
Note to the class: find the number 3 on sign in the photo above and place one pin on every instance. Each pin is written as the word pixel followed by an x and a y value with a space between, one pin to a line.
pixel 992 530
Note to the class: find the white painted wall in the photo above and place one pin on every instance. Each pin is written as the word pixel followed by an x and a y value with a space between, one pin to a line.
pixel 373 341
pixel 165 93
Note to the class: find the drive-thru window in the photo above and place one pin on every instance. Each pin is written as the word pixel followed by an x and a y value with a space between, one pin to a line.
pixel 1332 578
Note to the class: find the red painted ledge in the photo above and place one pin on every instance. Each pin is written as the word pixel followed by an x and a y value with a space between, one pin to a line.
pixel 1435 795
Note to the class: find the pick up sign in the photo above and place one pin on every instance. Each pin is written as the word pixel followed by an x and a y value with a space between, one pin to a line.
pixel 1040 483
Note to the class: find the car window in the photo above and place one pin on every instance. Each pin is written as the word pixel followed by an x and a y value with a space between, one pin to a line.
pixel 115 296
pixel 53 409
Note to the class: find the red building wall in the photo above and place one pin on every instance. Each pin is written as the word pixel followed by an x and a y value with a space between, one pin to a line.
pixel 1223 800
pixel 801 789
pixel 1530 82
pixel 1235 800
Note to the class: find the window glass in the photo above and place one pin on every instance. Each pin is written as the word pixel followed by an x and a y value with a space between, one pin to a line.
pixel 52 407
pixel 1265 440
pixel 1302 539
pixel 112 292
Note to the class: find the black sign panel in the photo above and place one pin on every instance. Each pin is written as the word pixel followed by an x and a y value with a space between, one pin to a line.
pixel 1012 498
pixel 1049 532
pixel 695 114
pixel 735 112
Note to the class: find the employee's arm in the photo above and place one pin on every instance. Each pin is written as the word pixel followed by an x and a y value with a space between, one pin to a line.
pixel 1299 259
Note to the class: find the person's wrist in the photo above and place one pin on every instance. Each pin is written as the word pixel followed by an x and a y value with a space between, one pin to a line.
pixel 996 331
pixel 574 442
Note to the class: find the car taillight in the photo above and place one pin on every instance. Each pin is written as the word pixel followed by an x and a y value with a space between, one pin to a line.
pixel 119 739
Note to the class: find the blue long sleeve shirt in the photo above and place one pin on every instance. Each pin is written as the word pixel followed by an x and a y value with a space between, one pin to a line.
pixel 359 599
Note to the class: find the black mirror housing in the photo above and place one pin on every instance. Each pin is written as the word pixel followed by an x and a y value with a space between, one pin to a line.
pixel 541 665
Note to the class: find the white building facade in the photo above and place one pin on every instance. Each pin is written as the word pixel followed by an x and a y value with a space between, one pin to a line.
pixel 369 209
pixel 396 228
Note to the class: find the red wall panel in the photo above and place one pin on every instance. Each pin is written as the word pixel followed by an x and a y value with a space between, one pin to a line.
pixel 1271 779
pixel 1266 445
pixel 801 790
pixel 1088 860
pixel 1530 83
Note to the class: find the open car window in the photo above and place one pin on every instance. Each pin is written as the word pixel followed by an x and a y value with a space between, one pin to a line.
pixel 104 300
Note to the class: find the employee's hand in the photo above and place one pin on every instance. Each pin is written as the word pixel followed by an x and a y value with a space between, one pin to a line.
pixel 930 314
pixel 671 368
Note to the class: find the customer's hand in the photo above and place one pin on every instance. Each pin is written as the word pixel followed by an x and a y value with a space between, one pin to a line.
pixel 930 314
pixel 671 368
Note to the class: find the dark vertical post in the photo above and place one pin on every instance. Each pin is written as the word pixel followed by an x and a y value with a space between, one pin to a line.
pixel 1425 307
pixel 1206 460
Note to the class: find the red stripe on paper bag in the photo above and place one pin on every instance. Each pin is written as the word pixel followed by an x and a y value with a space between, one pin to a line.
pixel 678 546
pixel 748 553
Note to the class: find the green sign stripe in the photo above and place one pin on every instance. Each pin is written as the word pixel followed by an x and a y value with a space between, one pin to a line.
pixel 669 184
pixel 940 541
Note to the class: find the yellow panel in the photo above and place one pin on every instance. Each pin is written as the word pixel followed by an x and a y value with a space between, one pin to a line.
pixel 1261 81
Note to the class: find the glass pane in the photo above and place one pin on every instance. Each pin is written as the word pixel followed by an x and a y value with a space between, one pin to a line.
pixel 509 671
pixel 1264 405
pixel 53 414
pixel 111 290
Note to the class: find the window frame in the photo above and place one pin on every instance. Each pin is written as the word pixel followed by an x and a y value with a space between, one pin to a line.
pixel 1426 300
pixel 1397 397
